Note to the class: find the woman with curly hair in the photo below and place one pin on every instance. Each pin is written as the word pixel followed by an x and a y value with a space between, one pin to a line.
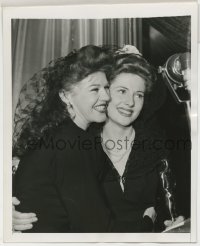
pixel 57 177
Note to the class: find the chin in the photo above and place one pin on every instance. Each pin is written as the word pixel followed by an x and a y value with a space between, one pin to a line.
pixel 130 122
pixel 100 118
pixel 124 123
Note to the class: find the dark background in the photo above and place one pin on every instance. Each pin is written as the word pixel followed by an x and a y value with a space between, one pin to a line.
pixel 163 37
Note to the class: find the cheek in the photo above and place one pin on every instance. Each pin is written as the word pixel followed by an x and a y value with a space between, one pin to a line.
pixel 115 100
pixel 86 101
pixel 81 105
pixel 140 104
pixel 113 103
pixel 111 109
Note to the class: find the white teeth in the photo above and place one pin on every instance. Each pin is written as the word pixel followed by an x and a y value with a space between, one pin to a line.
pixel 125 112
pixel 100 108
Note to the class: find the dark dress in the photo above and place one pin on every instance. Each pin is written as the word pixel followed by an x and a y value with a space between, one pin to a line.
pixel 58 180
pixel 140 181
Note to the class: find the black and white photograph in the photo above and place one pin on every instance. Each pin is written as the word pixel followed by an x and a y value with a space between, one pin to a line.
pixel 101 143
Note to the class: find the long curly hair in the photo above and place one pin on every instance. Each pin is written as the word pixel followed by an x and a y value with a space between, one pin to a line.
pixel 40 109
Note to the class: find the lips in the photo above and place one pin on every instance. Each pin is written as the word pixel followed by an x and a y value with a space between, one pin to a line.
pixel 101 108
pixel 125 112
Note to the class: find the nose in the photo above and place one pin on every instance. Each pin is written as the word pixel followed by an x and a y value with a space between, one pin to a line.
pixel 105 95
pixel 130 101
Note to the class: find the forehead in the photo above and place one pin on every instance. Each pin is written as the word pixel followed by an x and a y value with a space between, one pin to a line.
pixel 97 78
pixel 129 80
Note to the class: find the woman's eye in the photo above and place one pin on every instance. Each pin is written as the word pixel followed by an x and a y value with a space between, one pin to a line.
pixel 95 89
pixel 139 95
pixel 122 91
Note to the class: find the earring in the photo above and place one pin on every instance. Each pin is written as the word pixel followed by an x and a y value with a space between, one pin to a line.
pixel 71 111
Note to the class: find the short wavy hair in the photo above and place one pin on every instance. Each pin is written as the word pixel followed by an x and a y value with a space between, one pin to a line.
pixel 42 110
pixel 135 64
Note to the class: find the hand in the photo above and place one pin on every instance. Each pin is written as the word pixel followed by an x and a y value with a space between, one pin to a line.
pixel 169 223
pixel 15 163
pixel 21 221
pixel 151 213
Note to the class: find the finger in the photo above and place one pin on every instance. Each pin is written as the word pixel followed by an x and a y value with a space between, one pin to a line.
pixel 16 231
pixel 168 222
pixel 15 201
pixel 22 227
pixel 178 220
pixel 19 215
pixel 24 221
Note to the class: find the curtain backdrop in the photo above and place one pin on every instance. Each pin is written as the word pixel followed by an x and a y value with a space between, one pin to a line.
pixel 35 42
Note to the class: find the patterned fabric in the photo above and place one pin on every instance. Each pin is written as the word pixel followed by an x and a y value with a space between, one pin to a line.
pixel 31 96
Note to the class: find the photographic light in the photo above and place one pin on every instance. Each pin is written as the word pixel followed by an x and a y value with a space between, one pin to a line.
pixel 176 74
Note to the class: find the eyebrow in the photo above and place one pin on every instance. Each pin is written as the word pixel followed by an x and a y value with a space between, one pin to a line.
pixel 99 85
pixel 94 85
pixel 141 91
pixel 123 87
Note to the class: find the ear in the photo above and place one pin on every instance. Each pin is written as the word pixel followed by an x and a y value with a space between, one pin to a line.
pixel 65 96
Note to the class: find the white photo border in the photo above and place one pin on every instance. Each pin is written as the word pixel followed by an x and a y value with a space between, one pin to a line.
pixel 94 12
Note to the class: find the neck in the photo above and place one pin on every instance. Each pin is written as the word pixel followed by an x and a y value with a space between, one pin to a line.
pixel 115 131
pixel 81 123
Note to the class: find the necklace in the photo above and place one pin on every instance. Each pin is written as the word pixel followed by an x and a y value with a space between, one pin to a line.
pixel 118 157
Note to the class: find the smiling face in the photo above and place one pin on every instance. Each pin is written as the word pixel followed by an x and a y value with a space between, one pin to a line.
pixel 127 98
pixel 89 99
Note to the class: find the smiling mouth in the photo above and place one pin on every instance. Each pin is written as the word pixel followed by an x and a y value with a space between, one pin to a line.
pixel 125 112
pixel 101 108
